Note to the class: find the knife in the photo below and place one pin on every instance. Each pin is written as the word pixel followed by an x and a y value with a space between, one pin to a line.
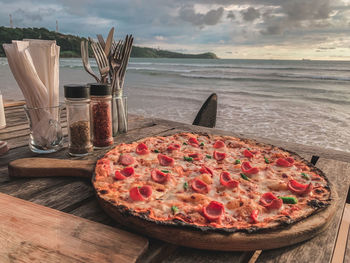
pixel 109 42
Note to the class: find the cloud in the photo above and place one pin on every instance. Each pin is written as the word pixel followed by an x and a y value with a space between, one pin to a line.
pixel 160 38
pixel 212 17
pixel 21 15
pixel 298 10
pixel 297 14
pixel 250 14
pixel 193 24
pixel 231 15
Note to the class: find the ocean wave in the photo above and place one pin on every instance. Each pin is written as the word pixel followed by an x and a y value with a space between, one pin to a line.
pixel 318 77
pixel 270 77
pixel 282 97
pixel 161 70
pixel 229 66
pixel 237 78
pixel 330 100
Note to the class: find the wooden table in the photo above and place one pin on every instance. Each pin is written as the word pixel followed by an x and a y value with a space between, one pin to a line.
pixel 75 195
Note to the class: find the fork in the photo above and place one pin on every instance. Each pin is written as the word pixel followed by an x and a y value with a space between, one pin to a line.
pixel 113 63
pixel 101 60
pixel 116 62
pixel 126 60
pixel 85 58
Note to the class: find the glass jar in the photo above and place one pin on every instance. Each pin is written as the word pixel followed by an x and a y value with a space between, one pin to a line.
pixel 2 113
pixel 45 131
pixel 101 108
pixel 77 98
pixel 119 115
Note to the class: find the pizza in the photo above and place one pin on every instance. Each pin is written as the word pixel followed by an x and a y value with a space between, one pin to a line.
pixel 211 183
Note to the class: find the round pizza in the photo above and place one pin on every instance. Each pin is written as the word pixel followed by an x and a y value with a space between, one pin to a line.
pixel 211 182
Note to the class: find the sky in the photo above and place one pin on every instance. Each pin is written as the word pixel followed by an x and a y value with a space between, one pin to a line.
pixel 247 29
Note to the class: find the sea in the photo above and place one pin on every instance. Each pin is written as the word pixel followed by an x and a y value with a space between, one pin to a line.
pixel 301 101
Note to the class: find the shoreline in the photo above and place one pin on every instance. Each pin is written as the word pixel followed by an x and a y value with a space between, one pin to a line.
pixel 304 149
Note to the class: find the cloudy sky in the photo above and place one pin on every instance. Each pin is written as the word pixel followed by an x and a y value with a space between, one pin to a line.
pixel 284 29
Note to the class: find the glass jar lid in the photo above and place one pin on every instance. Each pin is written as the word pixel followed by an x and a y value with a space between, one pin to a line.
pixel 100 89
pixel 76 91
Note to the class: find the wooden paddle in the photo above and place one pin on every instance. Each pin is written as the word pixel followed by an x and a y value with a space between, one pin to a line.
pixel 285 236
pixel 48 167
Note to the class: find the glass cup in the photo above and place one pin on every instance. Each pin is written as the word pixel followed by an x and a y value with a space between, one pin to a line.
pixel 45 129
pixel 119 114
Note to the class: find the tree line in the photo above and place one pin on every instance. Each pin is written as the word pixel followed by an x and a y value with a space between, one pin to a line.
pixel 70 45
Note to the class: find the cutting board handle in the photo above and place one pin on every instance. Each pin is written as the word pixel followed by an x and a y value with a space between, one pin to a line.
pixel 49 167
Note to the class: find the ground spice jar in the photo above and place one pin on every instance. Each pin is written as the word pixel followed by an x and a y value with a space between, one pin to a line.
pixel 77 98
pixel 101 108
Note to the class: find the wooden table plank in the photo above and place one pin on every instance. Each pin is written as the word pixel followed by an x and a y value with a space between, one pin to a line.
pixel 347 251
pixel 320 248
pixel 33 233
pixel 340 247
pixel 185 255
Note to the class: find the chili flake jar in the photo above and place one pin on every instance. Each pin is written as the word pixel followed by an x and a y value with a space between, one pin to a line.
pixel 101 108
pixel 77 98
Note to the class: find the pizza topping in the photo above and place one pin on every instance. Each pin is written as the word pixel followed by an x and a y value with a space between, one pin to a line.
pixel 140 193
pixel 245 177
pixel 193 141
pixel 219 144
pixel 208 156
pixel 298 188
pixel 285 162
pixel 202 144
pixel 165 171
pixel 142 149
pixel 205 170
pixel 195 156
pixel 248 153
pixel 213 211
pixel 237 161
pixel 305 176
pixel 185 185
pixel 126 159
pixel 174 209
pixel 270 201
pixel 226 180
pixel 289 199
pixel 199 186
pixel 126 172
pixel 254 216
pixel 219 156
pixel 156 151
pixel 159 176
pixel 165 160
pixel 266 160
pixel 248 169
pixel 173 147
pixel 188 159
pixel 118 175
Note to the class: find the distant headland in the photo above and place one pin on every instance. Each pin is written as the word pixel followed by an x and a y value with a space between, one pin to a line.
pixel 70 45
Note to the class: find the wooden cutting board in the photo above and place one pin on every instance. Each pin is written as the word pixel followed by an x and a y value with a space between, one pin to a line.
pixel 34 233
